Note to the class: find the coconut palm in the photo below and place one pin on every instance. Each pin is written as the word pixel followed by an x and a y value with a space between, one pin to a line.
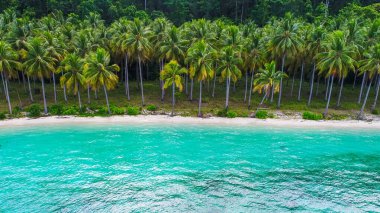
pixel 284 43
pixel 139 47
pixel 73 77
pixel 99 73
pixel 39 63
pixel 371 65
pixel 8 68
pixel 172 76
pixel 200 57
pixel 336 60
pixel 268 80
pixel 229 64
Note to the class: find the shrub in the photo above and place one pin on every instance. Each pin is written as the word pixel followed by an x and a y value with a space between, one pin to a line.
pixel 312 116
pixel 34 111
pixel 222 113
pixel 2 116
pixel 133 110
pixel 102 111
pixel 231 114
pixel 117 110
pixel 151 108
pixel 375 112
pixel 56 109
pixel 261 114
pixel 73 110
pixel 16 112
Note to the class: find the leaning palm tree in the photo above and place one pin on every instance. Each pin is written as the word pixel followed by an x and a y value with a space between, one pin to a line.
pixel 229 64
pixel 336 60
pixel 172 76
pixel 139 47
pixel 371 65
pixel 268 80
pixel 99 73
pixel 284 43
pixel 39 63
pixel 73 78
pixel 8 68
pixel 200 57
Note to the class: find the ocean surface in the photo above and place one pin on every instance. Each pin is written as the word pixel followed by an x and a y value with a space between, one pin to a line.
pixel 188 168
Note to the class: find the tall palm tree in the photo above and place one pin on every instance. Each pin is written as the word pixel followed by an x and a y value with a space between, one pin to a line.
pixel 39 63
pixel 268 80
pixel 99 73
pixel 371 65
pixel 335 60
pixel 229 68
pixel 139 46
pixel 172 76
pixel 284 43
pixel 73 77
pixel 200 58
pixel 8 68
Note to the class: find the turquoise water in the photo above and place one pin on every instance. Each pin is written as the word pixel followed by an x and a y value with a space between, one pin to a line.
pixel 123 168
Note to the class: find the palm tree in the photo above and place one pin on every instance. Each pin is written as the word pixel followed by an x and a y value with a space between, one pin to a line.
pixel 99 73
pixel 200 58
pixel 8 68
pixel 39 63
pixel 139 46
pixel 73 77
pixel 371 65
pixel 268 80
pixel 229 68
pixel 336 60
pixel 284 43
pixel 172 76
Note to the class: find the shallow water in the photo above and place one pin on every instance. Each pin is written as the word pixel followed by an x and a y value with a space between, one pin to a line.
pixel 186 168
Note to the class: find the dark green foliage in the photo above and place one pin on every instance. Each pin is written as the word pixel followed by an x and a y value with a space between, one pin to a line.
pixel 133 110
pixel 151 108
pixel 312 116
pixel 56 109
pixel 16 112
pixel 375 112
pixel 231 114
pixel 222 113
pixel 73 110
pixel 34 111
pixel 261 114
pixel 117 110
pixel 2 116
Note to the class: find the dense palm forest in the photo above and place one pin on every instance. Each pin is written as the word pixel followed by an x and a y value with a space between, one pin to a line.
pixel 93 53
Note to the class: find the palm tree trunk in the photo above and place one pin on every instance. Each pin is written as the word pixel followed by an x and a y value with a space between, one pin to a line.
pixel 356 76
pixel 340 92
pixel 126 79
pixel 2 79
pixel 55 89
pixel 64 91
pixel 200 99
pixel 301 81
pixel 79 100
pixel 311 85
pixel 262 100
pixel 250 89
pixel 5 80
pixel 96 94
pixel 292 88
pixel 360 116
pixel 282 70
pixel 23 80
pixel 377 94
pixel 361 88
pixel 227 91
pixel 186 80
pixel 30 90
pixel 317 92
pixel 173 98
pixel 108 104
pixel 43 95
pixel 88 94
pixel 246 86
pixel 191 89
pixel 141 83
pixel 213 87
pixel 145 5
pixel 272 94
pixel 329 98
pixel 327 89
pixel 162 83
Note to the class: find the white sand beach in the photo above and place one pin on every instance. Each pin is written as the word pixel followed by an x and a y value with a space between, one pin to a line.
pixel 164 119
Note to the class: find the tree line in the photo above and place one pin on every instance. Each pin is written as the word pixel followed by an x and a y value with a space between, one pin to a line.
pixel 85 55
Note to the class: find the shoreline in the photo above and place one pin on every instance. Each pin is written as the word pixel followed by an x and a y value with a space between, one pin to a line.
pixel 165 119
